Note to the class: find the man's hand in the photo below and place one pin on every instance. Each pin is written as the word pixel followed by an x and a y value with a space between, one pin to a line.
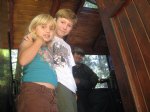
pixel 77 81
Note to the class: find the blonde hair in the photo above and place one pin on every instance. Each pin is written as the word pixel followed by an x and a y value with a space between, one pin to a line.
pixel 67 14
pixel 39 20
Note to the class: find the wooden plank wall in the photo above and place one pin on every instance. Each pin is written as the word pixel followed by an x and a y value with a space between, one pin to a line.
pixel 23 13
pixel 4 23
pixel 127 28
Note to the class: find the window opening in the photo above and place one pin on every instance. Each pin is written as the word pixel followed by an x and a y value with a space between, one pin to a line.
pixel 14 54
pixel 99 64
pixel 90 5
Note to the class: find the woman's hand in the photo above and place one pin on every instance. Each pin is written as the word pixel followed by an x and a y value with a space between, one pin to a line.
pixel 33 37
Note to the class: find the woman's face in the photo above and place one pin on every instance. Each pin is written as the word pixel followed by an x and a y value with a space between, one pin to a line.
pixel 45 31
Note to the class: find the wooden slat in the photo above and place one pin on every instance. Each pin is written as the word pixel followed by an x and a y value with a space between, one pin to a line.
pixel 23 13
pixel 4 23
pixel 132 48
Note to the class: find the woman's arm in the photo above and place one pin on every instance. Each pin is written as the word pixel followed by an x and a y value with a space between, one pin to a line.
pixel 28 49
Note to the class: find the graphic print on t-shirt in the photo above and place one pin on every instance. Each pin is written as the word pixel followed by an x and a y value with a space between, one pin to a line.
pixel 60 54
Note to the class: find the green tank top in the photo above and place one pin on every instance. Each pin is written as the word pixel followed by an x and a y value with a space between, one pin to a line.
pixel 39 70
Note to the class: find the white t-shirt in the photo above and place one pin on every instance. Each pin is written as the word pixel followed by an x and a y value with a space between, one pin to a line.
pixel 63 62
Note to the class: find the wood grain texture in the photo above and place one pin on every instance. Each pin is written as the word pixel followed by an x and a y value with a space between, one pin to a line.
pixel 128 31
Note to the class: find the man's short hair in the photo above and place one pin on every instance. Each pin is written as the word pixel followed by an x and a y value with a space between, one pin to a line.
pixel 78 51
pixel 67 14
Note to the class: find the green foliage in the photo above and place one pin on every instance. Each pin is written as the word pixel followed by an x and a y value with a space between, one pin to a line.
pixel 99 64
pixel 4 68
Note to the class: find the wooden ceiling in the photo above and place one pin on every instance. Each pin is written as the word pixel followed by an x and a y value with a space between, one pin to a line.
pixel 88 33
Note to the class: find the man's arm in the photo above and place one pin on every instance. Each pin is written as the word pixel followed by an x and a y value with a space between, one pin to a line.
pixel 88 81
pixel 93 77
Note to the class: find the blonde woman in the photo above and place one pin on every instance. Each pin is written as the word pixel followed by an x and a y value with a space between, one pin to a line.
pixel 37 93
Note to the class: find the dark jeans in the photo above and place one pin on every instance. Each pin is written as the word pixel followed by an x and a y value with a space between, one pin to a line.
pixel 83 101
pixel 36 98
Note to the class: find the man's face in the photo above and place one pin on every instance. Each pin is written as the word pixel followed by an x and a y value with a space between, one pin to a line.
pixel 78 58
pixel 63 27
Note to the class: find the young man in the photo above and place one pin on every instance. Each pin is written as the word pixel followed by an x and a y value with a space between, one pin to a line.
pixel 85 79
pixel 63 61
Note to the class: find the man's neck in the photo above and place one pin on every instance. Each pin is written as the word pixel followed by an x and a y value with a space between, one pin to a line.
pixel 59 36
pixel 78 63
